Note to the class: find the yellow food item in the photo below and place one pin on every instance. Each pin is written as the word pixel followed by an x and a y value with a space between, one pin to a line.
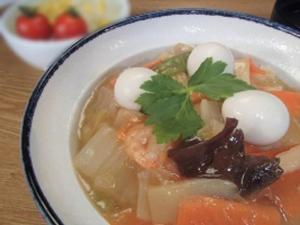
pixel 94 12
pixel 53 8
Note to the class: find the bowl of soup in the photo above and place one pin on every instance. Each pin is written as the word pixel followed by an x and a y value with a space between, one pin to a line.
pixel 176 117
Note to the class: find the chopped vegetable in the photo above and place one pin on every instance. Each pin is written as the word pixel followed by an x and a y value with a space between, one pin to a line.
pixel 211 129
pixel 224 156
pixel 97 151
pixel 117 182
pixel 143 209
pixel 173 65
pixel 254 69
pixel 125 116
pixel 196 98
pixel 211 81
pixel 290 160
pixel 100 107
pixel 285 194
pixel 168 104
pixel 292 137
pixel 259 151
pixel 268 81
pixel 166 174
pixel 291 100
pixel 164 200
pixel 141 146
pixel 246 69
pixel 210 112
pixel 202 210
pixel 169 108
pixel 242 70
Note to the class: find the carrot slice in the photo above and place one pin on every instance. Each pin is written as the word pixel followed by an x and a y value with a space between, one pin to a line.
pixel 215 211
pixel 271 153
pixel 285 193
pixel 291 100
pixel 196 97
pixel 254 69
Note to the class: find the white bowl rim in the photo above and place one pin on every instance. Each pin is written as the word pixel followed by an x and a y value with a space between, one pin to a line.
pixel 41 201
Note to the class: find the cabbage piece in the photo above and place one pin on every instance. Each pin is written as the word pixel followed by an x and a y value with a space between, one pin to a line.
pixel 124 116
pixel 143 209
pixel 96 151
pixel 292 137
pixel 269 81
pixel 100 107
pixel 290 160
pixel 211 110
pixel 210 113
pixel 117 179
pixel 164 200
pixel 242 70
pixel 107 168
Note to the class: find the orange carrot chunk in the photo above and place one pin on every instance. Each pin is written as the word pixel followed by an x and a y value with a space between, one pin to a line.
pixel 271 153
pixel 285 193
pixel 196 97
pixel 215 211
pixel 255 70
pixel 291 100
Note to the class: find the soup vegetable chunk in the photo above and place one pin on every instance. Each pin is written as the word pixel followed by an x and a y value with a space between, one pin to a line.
pixel 198 136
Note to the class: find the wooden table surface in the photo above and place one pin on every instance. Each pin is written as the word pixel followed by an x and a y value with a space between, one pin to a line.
pixel 16 83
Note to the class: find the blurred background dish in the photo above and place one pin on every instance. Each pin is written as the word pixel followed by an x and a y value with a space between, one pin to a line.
pixel 39 30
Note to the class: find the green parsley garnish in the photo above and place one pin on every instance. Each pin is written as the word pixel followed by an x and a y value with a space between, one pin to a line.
pixel 168 105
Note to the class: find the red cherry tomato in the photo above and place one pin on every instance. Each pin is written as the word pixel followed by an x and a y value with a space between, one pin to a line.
pixel 69 25
pixel 33 27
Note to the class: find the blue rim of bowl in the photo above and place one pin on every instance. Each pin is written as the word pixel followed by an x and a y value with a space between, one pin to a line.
pixel 47 211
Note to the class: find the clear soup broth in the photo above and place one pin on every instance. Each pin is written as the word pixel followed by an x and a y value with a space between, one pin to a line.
pixel 134 175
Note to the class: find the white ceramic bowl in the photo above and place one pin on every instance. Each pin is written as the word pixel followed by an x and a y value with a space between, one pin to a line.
pixel 48 138
pixel 42 53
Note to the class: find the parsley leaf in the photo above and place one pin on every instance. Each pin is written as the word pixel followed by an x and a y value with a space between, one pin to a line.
pixel 169 108
pixel 162 85
pixel 167 102
pixel 221 87
pixel 211 81
pixel 206 71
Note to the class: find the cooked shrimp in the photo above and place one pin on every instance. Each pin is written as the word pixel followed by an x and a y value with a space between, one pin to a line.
pixel 140 145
